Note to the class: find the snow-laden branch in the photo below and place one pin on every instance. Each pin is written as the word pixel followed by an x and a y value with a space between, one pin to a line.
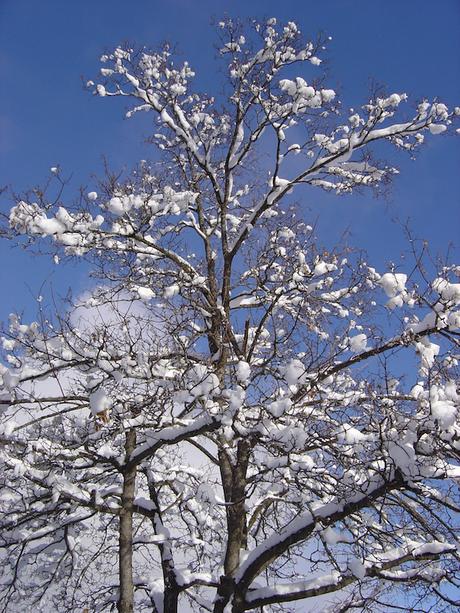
pixel 300 528
pixel 336 581
pixel 220 326
pixel 171 436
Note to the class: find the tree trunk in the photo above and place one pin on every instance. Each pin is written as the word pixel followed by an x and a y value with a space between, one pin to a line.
pixel 125 556
pixel 171 589
pixel 170 600
pixel 234 484
pixel 234 480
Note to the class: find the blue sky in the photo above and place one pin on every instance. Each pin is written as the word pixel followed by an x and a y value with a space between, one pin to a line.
pixel 47 118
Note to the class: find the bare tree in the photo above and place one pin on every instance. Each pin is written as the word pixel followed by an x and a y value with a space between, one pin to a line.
pixel 231 412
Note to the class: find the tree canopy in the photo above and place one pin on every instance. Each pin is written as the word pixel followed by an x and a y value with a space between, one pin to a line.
pixel 237 416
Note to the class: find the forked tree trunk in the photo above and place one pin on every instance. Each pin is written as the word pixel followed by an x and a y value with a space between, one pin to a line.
pixel 225 595
pixel 125 556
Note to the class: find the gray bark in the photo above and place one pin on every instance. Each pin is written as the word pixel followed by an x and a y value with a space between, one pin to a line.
pixel 126 600
pixel 234 479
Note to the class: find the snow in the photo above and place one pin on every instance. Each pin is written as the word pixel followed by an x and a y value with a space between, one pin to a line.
pixel 331 536
pixel 358 343
pixel 357 568
pixel 8 344
pixel 243 372
pixel 445 412
pixel 321 581
pixel 116 205
pixel 327 436
pixel 171 291
pixel 145 503
pixel 107 451
pixel 427 351
pixel 393 283
pixel 294 372
pixel 244 301
pixel 394 99
pixel 279 407
pixel 434 547
pixel 450 391
pixel 185 577
pixel 437 128
pixel 448 291
pixel 99 401
pixel 10 379
pixel 402 453
pixel 171 434
pixel 321 268
pixel 50 226
pixel 288 86
pixel 429 321
pixel 352 436
pixel 145 293
pixel 412 548
pixel 328 95
pixel 237 144
pixel 202 382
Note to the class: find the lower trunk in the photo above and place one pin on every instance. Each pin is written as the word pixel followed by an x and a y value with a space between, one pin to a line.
pixel 234 485
pixel 126 601
pixel 236 526
pixel 171 589
pixel 170 601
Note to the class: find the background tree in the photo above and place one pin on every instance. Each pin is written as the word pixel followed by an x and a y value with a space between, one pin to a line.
pixel 225 413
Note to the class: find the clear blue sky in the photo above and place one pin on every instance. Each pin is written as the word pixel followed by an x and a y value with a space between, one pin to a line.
pixel 46 117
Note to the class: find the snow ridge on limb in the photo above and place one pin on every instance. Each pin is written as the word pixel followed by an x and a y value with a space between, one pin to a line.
pixel 333 582
pixel 172 436
pixel 330 513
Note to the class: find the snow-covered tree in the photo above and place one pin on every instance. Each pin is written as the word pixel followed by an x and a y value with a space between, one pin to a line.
pixel 232 418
